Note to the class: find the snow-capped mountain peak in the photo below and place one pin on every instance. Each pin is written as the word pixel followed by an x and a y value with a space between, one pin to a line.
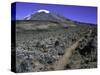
pixel 43 10
pixel 45 15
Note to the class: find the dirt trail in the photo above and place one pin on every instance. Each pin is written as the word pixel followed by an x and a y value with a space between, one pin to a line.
pixel 64 60
pixel 59 65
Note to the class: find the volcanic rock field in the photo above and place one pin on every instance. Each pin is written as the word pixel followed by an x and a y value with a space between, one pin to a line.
pixel 43 50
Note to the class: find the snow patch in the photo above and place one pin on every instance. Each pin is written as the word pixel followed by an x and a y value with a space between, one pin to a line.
pixel 28 17
pixel 43 10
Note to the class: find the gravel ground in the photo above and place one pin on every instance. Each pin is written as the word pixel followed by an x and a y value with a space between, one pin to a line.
pixel 37 50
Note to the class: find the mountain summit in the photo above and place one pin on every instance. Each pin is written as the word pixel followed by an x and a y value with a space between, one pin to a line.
pixel 43 10
pixel 45 15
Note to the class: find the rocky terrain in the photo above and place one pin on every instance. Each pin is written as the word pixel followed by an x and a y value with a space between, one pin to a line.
pixel 39 50
pixel 48 45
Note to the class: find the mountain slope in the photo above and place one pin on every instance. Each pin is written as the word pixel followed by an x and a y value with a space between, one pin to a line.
pixel 44 19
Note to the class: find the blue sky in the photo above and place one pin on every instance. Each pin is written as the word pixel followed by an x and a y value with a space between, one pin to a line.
pixel 79 13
